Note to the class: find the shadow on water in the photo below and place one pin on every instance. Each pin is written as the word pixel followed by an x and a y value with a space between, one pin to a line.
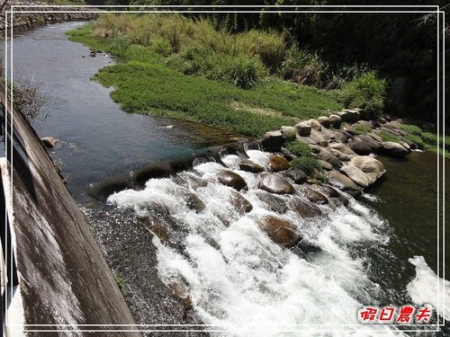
pixel 407 198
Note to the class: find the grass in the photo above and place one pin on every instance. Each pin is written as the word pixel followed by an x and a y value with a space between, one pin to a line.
pixel 306 164
pixel 362 129
pixel 144 82
pixel 299 148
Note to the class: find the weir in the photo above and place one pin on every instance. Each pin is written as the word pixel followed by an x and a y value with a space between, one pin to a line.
pixel 62 278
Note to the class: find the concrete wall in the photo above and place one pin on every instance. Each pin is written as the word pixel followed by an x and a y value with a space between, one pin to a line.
pixel 63 276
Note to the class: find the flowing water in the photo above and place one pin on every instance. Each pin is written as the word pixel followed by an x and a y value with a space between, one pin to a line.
pixel 211 246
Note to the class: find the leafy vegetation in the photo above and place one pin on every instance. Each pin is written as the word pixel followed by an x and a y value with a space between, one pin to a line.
pixel 146 82
pixel 298 148
pixel 306 164
pixel 362 129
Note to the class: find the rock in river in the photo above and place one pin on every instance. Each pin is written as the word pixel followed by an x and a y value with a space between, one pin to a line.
pixel 231 179
pixel 275 184
pixel 343 183
pixel 280 231
pixel 278 163
pixel 250 166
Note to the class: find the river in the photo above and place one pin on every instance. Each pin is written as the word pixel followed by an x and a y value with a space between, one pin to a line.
pixel 364 254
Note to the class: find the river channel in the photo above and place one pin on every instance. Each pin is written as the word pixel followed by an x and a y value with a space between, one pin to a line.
pixel 367 254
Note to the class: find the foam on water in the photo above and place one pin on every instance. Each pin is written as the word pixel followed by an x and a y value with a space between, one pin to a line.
pixel 428 288
pixel 241 281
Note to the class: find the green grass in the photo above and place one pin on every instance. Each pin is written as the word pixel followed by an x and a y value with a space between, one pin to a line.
pixel 362 129
pixel 299 148
pixel 144 83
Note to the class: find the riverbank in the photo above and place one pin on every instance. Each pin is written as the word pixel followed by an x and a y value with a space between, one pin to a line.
pixel 47 15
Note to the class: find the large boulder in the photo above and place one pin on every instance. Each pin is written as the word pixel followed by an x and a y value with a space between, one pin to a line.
pixel 375 137
pixel 229 178
pixel 192 201
pixel 349 129
pixel 275 184
pixel 272 141
pixel 360 147
pixel 280 231
pixel 343 183
pixel 315 125
pixel 370 166
pixel 304 209
pixel 340 137
pixel 278 163
pixel 357 175
pixel 250 166
pixel 325 165
pixel 393 149
pixel 373 144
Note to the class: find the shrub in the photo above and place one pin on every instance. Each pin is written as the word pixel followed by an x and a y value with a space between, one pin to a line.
pixel 366 92
pixel 300 149
pixel 388 137
pixel 306 164
pixel 28 100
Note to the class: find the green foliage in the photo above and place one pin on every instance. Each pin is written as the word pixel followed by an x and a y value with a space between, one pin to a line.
pixel 362 129
pixel 412 129
pixel 120 281
pixel 388 137
pixel 366 92
pixel 299 148
pixel 306 164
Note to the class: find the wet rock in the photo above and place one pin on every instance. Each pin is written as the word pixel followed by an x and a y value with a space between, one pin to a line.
pixel 272 141
pixel 330 158
pixel 288 133
pixel 370 166
pixel 335 120
pixel 231 179
pixel 275 184
pixel 192 201
pixel 313 195
pixel 393 149
pixel 329 191
pixel 304 209
pixel 298 176
pixel 406 146
pixel 373 144
pixel 360 147
pixel 280 231
pixel 355 174
pixel 92 53
pixel 273 202
pixel 343 183
pixel 303 129
pixel 325 165
pixel 49 142
pixel 278 163
pixel 240 203
pixel 324 121
pixel 250 166
pixel 181 290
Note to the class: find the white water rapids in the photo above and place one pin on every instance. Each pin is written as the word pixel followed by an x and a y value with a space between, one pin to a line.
pixel 243 283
